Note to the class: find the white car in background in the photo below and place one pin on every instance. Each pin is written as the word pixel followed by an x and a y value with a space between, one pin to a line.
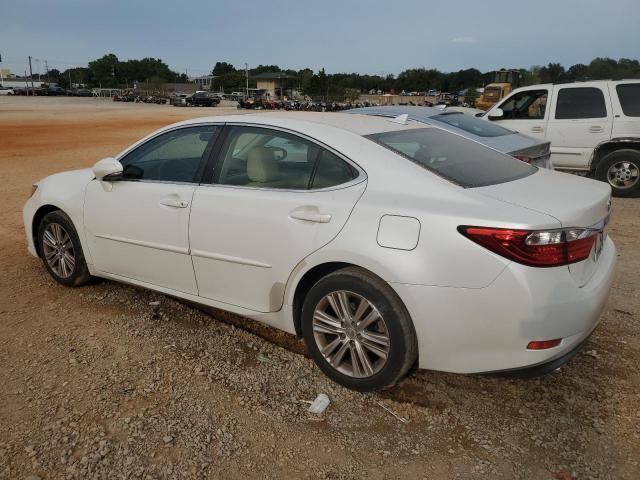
pixel 6 91
pixel 593 127
pixel 385 244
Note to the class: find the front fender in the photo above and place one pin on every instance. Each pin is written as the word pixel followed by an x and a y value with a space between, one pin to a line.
pixel 63 191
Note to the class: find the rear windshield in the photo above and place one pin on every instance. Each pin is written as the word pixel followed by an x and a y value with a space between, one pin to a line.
pixel 470 124
pixel 629 95
pixel 455 158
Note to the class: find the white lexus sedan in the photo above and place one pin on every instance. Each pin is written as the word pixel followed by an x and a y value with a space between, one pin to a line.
pixel 385 243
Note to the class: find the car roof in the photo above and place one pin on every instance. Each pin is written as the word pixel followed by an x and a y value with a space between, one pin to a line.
pixel 359 124
pixel 412 110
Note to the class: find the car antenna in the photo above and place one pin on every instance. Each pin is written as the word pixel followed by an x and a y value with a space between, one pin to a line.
pixel 401 119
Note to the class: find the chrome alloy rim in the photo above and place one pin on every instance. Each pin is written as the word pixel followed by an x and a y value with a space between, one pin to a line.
pixel 623 174
pixel 58 250
pixel 351 334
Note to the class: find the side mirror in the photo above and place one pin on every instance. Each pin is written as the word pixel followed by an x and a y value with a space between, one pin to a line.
pixel 107 167
pixel 496 113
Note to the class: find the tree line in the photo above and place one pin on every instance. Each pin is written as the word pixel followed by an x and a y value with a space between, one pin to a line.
pixel 108 71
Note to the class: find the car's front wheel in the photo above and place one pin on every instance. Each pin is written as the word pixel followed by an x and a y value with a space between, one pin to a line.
pixel 358 331
pixel 60 250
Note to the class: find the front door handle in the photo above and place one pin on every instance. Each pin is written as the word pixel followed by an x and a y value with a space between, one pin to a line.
pixel 595 129
pixel 174 202
pixel 310 215
pixel 537 129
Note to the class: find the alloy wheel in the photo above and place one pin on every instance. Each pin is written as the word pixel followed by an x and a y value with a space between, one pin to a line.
pixel 351 334
pixel 623 174
pixel 58 250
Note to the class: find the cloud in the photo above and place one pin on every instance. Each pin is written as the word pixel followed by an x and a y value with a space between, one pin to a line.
pixel 464 40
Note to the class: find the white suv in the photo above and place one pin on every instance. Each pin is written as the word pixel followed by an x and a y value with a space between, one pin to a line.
pixel 593 127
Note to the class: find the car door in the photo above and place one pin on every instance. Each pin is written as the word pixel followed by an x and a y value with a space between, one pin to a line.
pixel 138 227
pixel 524 111
pixel 275 197
pixel 581 119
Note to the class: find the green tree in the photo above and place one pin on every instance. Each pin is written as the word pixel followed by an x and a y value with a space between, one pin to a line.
pixel 553 72
pixel 223 68
pixel 104 71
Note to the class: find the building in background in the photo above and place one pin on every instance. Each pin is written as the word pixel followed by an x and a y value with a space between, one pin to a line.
pixel 204 82
pixel 275 84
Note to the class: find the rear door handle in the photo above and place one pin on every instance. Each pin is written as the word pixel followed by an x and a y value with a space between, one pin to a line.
pixel 309 215
pixel 174 202
pixel 595 129
pixel 537 129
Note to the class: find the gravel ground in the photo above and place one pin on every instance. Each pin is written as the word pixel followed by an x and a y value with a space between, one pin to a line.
pixel 108 381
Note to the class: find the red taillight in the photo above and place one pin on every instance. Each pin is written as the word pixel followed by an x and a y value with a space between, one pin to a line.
pixel 543 344
pixel 537 248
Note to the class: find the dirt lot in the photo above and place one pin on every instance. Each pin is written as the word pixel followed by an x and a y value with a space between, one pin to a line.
pixel 98 382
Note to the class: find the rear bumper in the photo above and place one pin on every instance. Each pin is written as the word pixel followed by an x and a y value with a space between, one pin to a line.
pixel 467 330
pixel 543 368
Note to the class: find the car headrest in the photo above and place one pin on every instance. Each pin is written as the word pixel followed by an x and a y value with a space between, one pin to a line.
pixel 261 165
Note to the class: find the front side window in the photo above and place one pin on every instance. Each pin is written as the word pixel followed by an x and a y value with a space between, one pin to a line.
pixel 265 158
pixel 582 102
pixel 527 105
pixel 460 160
pixel 629 95
pixel 174 156
pixel 470 124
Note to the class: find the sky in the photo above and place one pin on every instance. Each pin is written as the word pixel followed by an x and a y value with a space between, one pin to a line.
pixel 374 36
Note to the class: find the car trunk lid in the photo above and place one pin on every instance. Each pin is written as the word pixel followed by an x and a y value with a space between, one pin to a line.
pixel 574 201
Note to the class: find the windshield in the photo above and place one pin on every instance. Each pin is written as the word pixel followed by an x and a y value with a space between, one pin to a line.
pixel 473 125
pixel 455 158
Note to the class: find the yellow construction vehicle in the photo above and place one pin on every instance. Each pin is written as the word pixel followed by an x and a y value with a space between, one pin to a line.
pixel 503 82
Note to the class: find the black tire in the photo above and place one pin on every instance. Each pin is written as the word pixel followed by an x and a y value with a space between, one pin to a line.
pixel 605 172
pixel 402 348
pixel 77 275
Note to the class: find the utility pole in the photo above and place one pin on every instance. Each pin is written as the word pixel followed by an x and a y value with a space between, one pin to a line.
pixel 31 77
pixel 246 73
pixel 1 76
pixel 46 66
pixel 70 87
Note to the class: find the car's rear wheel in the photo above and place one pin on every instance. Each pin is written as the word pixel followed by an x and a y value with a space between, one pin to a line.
pixel 358 331
pixel 60 250
pixel 621 169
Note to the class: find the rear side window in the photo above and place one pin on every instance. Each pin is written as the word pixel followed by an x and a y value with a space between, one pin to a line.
pixel 265 158
pixel 332 171
pixel 455 158
pixel 583 102
pixel 470 124
pixel 629 95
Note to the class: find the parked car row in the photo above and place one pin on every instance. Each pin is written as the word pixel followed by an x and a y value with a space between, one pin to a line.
pixel 593 127
pixel 47 91
pixel 588 128
pixel 528 149
pixel 197 99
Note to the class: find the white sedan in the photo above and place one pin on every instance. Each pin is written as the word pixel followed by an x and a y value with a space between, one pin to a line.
pixel 384 243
